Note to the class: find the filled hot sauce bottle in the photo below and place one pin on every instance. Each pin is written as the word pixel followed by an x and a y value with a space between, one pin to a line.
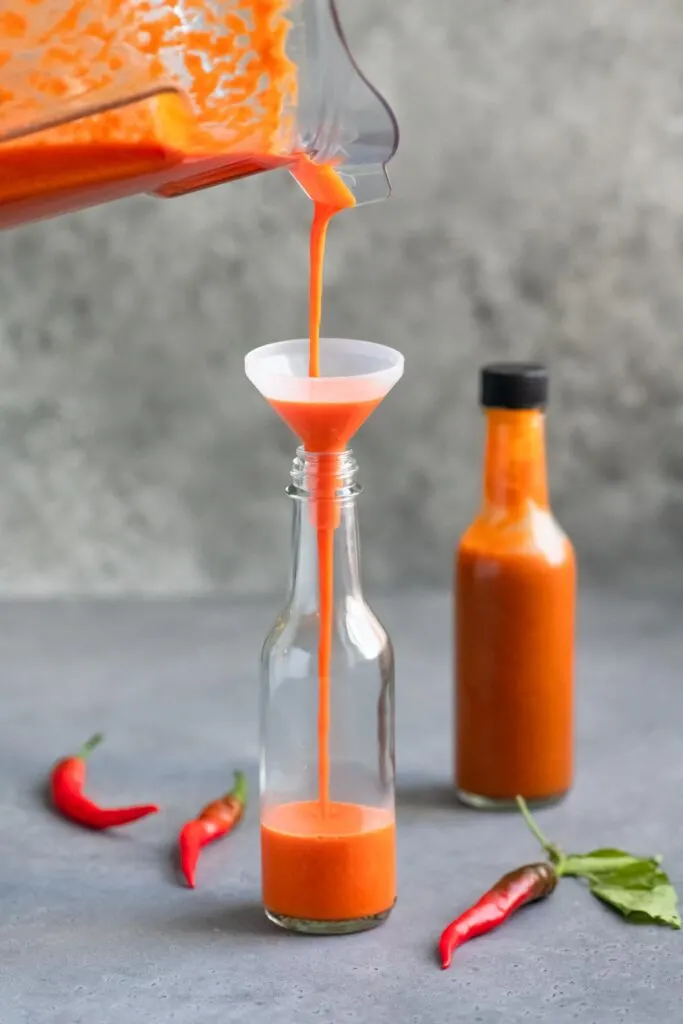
pixel 515 596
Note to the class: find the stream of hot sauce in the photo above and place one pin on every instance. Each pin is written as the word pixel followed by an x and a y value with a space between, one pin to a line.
pixel 322 214
pixel 330 195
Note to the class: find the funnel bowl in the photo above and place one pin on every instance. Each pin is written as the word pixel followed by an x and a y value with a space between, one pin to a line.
pixel 324 412
pixel 350 371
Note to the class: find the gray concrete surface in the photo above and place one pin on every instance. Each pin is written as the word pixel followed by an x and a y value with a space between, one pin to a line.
pixel 95 928
pixel 537 211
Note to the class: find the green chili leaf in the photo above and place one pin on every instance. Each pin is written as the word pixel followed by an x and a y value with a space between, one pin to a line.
pixel 642 905
pixel 635 886
pixel 598 862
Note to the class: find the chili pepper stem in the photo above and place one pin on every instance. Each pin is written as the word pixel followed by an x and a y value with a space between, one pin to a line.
pixel 87 748
pixel 555 854
pixel 239 790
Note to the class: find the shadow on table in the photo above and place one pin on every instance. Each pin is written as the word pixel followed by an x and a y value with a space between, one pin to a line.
pixel 172 867
pixel 243 917
pixel 40 793
pixel 427 795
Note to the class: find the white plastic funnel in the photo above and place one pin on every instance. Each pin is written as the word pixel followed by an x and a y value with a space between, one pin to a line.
pixel 355 377
pixel 349 371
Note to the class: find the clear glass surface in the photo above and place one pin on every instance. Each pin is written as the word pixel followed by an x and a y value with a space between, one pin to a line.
pixel 361 706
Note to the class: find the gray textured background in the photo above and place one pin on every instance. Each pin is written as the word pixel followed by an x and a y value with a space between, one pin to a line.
pixel 538 210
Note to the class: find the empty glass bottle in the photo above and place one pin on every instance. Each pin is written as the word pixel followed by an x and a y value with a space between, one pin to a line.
pixel 327 730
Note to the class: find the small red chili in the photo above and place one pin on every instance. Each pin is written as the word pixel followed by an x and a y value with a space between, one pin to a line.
pixel 67 779
pixel 525 885
pixel 215 820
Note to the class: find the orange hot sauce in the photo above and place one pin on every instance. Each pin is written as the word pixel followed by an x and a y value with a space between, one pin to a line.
pixel 326 426
pixel 333 866
pixel 515 590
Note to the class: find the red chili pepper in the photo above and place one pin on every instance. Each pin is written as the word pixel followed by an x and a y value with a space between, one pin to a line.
pixel 67 779
pixel 525 885
pixel 215 820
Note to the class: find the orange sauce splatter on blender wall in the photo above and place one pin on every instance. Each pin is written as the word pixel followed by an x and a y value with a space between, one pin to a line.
pixel 169 143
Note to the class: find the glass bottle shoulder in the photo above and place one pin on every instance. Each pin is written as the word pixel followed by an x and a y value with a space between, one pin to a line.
pixel 357 635
pixel 532 531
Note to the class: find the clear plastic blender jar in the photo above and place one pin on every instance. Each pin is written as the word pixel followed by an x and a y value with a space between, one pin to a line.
pixel 105 98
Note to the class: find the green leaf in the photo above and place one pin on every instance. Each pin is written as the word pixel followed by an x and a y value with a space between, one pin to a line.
pixel 637 887
pixel 640 874
pixel 599 862
pixel 657 905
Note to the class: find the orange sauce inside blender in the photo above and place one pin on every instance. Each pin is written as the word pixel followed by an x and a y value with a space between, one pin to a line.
pixel 233 119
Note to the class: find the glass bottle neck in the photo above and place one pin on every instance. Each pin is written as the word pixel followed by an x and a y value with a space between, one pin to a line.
pixel 325 491
pixel 515 465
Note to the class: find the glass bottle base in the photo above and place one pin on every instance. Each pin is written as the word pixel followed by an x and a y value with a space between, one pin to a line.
pixel 487 803
pixel 348 926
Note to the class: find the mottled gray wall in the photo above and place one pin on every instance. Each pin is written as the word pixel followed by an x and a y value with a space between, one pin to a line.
pixel 538 210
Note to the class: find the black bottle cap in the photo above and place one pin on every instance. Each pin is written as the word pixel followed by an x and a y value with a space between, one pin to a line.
pixel 514 386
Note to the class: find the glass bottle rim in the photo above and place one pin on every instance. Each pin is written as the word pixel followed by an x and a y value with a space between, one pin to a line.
pixel 307 466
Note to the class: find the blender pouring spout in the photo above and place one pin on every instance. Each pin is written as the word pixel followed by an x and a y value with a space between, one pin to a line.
pixel 346 124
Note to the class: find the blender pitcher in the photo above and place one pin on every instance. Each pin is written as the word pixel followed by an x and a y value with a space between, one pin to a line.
pixel 101 99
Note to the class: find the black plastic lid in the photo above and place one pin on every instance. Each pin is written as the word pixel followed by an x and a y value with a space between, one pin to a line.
pixel 514 386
